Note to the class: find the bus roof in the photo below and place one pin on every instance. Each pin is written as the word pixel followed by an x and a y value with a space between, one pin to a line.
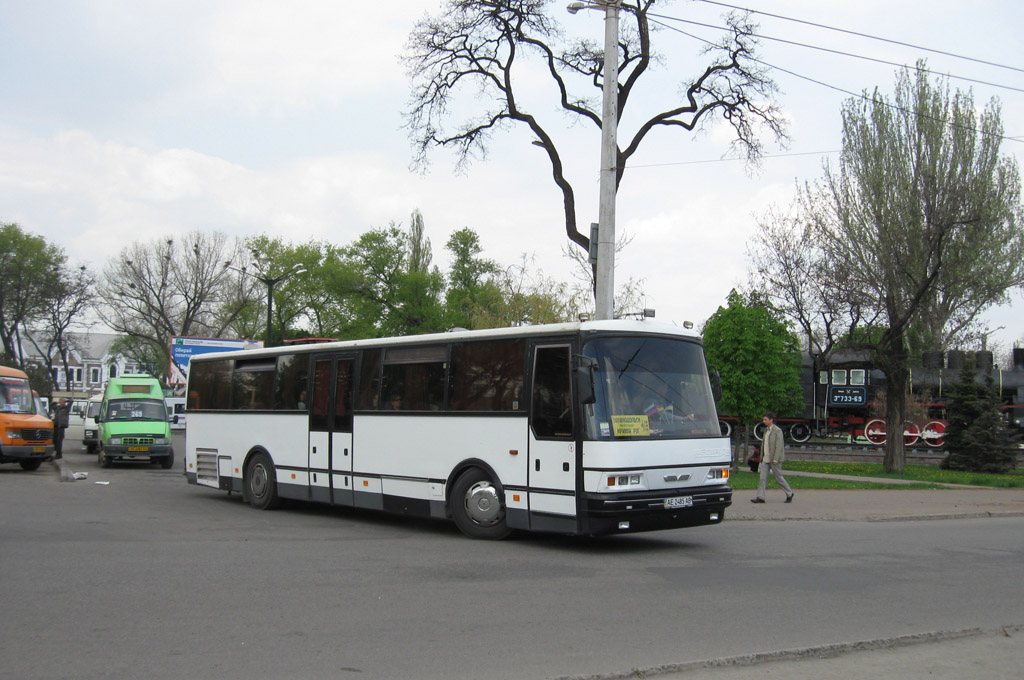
pixel 617 325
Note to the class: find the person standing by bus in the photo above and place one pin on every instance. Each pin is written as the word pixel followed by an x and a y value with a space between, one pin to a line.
pixel 60 423
pixel 772 454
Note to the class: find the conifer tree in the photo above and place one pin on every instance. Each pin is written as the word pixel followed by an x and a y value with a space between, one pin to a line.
pixel 977 438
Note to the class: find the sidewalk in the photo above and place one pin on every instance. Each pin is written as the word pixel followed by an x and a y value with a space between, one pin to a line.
pixel 876 505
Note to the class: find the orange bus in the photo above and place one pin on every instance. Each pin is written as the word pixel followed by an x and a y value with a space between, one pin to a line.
pixel 26 436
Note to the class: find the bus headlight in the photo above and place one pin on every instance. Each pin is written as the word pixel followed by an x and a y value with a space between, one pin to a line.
pixel 634 481
pixel 160 440
pixel 115 441
pixel 717 474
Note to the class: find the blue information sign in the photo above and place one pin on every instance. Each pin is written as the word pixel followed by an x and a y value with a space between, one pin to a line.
pixel 183 349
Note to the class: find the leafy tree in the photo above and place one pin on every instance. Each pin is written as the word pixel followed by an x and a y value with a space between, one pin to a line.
pixel 485 49
pixel 296 278
pixel 470 280
pixel 388 285
pixel 977 437
pixel 28 264
pixel 916 232
pixel 758 358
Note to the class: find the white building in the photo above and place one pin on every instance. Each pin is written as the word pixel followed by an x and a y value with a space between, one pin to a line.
pixel 90 363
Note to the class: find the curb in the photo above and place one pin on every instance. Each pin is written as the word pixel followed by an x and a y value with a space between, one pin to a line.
pixel 819 652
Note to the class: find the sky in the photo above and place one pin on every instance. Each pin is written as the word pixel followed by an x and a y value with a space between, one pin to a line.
pixel 127 122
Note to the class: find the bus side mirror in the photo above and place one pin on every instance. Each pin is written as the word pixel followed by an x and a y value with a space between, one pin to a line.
pixel 716 384
pixel 585 380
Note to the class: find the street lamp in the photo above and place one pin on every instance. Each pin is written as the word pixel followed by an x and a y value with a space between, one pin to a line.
pixel 605 284
pixel 270 282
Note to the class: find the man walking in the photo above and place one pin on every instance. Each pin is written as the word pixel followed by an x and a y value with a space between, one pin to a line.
pixel 772 454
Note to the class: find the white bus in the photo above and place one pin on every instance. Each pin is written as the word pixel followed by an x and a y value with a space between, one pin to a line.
pixel 582 428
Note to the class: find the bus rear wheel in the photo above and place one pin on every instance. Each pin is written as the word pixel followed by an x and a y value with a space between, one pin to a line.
pixel 477 508
pixel 261 483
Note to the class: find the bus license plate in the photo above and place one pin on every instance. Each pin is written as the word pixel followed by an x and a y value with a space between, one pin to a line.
pixel 138 448
pixel 39 449
pixel 679 502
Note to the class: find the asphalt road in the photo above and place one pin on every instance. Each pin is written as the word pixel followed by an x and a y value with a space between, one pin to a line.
pixel 133 573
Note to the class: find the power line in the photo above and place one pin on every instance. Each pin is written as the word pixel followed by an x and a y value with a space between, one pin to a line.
pixel 832 87
pixel 832 51
pixel 728 160
pixel 865 35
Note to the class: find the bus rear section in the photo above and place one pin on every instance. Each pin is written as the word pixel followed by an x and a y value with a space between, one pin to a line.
pixel 588 428
pixel 26 436
pixel 132 422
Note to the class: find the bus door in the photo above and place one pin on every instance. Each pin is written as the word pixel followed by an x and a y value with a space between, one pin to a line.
pixel 552 471
pixel 330 430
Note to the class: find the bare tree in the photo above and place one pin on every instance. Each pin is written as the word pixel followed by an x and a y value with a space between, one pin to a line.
pixel 68 295
pixel 481 47
pixel 170 287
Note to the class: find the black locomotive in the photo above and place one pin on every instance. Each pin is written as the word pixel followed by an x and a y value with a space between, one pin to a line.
pixel 841 397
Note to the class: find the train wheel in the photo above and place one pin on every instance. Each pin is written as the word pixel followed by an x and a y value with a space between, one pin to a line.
pixel 725 427
pixel 934 433
pixel 875 431
pixel 911 433
pixel 799 432
pixel 759 432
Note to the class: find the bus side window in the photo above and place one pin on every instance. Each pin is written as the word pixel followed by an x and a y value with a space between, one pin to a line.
pixel 552 405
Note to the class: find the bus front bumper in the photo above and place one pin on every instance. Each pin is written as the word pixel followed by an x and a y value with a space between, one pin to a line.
pixel 654 510
pixel 12 454
pixel 154 451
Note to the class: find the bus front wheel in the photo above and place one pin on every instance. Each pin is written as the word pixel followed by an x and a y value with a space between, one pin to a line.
pixel 477 508
pixel 260 483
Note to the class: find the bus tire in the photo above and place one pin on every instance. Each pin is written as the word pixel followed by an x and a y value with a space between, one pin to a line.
pixel 261 483
pixel 30 464
pixel 167 462
pixel 477 508
pixel 102 458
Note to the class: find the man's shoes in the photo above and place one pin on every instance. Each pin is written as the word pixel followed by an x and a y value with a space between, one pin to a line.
pixel 789 498
pixel 758 500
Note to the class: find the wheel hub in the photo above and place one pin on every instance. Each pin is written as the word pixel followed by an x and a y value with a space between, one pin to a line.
pixel 482 504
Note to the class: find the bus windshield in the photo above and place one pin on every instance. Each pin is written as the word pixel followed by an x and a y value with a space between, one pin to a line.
pixel 649 388
pixel 16 396
pixel 136 409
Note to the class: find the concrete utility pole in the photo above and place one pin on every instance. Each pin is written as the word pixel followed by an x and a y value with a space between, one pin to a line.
pixel 605 293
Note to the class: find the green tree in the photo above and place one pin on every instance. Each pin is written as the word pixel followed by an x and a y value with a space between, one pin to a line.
pixel 28 264
pixel 977 438
pixel 916 232
pixel 388 284
pixel 758 358
pixel 471 287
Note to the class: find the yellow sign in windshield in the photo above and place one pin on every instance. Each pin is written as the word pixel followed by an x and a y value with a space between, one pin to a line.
pixel 631 426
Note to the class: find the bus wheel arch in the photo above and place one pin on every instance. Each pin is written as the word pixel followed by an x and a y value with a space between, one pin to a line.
pixel 259 481
pixel 476 502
